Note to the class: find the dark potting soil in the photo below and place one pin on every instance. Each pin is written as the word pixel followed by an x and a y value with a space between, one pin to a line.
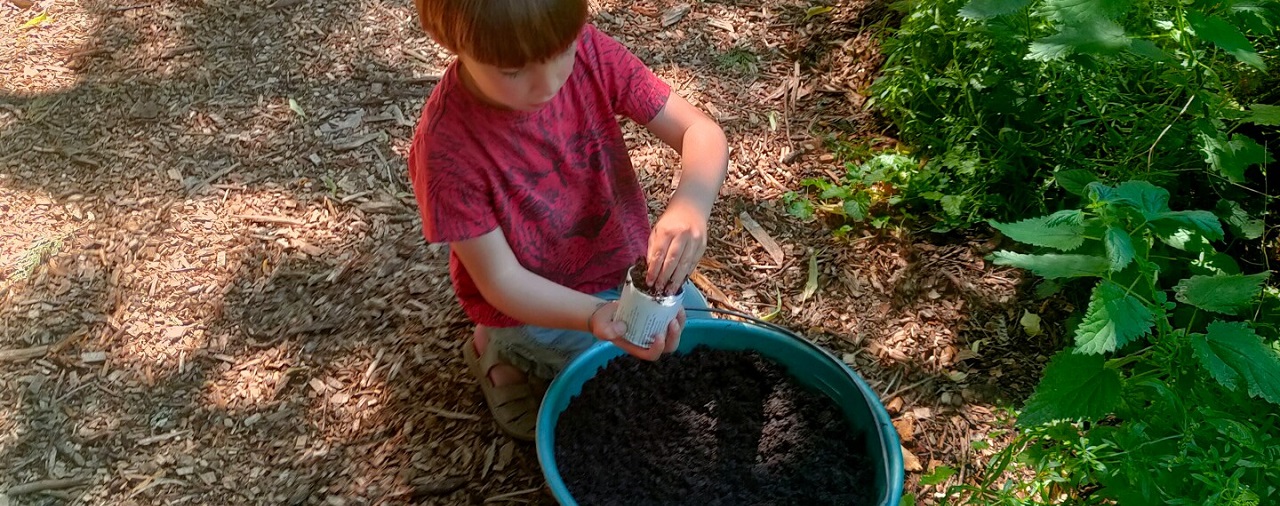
pixel 712 427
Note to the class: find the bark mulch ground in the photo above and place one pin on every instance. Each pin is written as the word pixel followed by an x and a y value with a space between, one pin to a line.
pixel 214 289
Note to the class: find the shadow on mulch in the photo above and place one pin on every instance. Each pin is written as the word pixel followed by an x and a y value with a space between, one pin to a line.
pixel 247 361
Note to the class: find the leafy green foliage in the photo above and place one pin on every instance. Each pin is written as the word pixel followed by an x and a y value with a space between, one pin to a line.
pixel 1228 294
pixel 884 186
pixel 1191 386
pixel 1234 354
pixel 1010 100
pixel 1076 386
pixel 1114 319
pixel 1054 266
pixel 1054 231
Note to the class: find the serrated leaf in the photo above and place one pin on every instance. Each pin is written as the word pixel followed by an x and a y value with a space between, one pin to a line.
pixel 1233 353
pixel 811 285
pixel 1238 220
pixel 1222 34
pixel 1053 265
pixel 983 9
pixel 1039 232
pixel 1074 180
pixel 1263 114
pixel 1232 157
pixel 1119 248
pixel 1151 200
pixel 1203 222
pixel 856 207
pixel 1094 35
pixel 1066 217
pixel 939 475
pixel 1114 318
pixel 1221 294
pixel 1071 11
pixel 1073 386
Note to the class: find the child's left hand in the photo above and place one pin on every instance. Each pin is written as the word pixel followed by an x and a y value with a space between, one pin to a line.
pixel 676 245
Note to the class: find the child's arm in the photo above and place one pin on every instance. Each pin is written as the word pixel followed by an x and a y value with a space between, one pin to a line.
pixel 535 300
pixel 680 237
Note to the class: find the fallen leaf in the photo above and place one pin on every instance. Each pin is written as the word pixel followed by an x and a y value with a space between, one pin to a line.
pixel 297 109
pixel 1031 323
pixel 910 462
pixel 812 285
pixel 43 17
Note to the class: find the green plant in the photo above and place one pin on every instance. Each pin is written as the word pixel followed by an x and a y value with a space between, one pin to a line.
pixel 1170 392
pixel 1000 94
pixel 886 186
pixel 739 60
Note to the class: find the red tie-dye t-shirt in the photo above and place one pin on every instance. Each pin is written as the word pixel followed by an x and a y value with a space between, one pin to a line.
pixel 558 181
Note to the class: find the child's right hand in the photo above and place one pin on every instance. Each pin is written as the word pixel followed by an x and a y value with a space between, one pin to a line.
pixel 605 329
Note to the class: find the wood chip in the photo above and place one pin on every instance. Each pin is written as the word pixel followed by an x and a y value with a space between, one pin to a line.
pixel 436 487
pixel 674 15
pixel 93 357
pixel 22 354
pixel 771 246
pixel 356 142
pixel 43 485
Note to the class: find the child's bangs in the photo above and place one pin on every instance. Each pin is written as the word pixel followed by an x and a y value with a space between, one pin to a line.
pixel 515 33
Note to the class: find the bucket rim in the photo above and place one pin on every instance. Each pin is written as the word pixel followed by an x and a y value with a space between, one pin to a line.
pixel 883 428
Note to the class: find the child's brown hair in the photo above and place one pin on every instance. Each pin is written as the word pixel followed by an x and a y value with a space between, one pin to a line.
pixel 504 33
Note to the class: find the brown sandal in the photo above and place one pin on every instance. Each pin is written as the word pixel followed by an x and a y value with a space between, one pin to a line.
pixel 514 407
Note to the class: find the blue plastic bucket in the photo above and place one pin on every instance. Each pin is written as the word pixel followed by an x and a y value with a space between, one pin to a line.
pixel 809 363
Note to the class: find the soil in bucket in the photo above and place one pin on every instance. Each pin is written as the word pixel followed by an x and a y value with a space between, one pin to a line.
pixel 711 427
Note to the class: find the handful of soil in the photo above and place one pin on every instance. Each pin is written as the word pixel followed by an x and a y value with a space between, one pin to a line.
pixel 638 278
pixel 710 427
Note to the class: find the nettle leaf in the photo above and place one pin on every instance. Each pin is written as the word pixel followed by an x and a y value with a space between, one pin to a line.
pixel 1119 248
pixel 1221 294
pixel 1041 232
pixel 1222 34
pixel 983 9
pixel 1074 386
pixel 1150 199
pixel 1074 180
pixel 1238 219
pixel 1114 318
pixel 1203 222
pixel 1095 35
pixel 1263 114
pixel 1053 265
pixel 1067 11
pixel 1232 157
pixel 1233 353
pixel 1066 217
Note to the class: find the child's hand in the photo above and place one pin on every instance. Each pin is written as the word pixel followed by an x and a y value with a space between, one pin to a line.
pixel 677 243
pixel 605 329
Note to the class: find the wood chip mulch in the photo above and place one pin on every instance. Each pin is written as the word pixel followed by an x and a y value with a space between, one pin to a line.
pixel 214 288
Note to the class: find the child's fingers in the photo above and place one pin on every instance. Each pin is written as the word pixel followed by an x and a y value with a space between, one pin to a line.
pixel 659 244
pixel 682 268
pixel 674 329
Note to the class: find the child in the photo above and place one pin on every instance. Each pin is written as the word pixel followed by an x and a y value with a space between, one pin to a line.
pixel 519 164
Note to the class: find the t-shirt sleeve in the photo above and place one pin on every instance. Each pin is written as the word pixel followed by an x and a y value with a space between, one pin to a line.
pixel 636 91
pixel 455 202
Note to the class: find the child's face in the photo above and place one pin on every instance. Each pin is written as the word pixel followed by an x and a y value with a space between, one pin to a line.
pixel 523 89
